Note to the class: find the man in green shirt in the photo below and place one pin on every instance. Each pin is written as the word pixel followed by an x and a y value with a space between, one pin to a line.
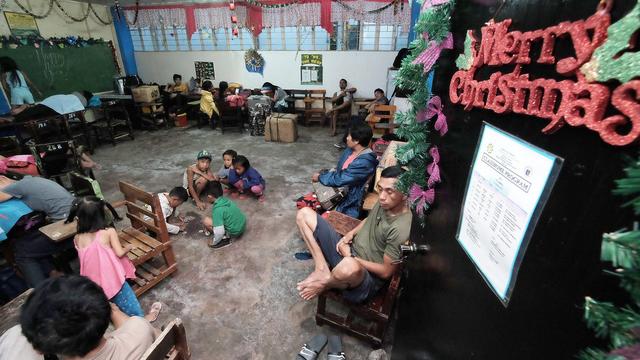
pixel 227 220
pixel 362 260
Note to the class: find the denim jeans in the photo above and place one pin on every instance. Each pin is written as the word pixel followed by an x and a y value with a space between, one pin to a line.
pixel 34 252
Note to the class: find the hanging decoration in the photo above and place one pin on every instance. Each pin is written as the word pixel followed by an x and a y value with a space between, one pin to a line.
pixel 90 10
pixel 40 42
pixel 253 61
pixel 271 6
pixel 419 156
pixel 620 324
pixel 576 103
pixel 234 18
pixel 616 58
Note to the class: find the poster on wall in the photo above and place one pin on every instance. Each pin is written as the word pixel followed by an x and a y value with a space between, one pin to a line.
pixel 311 69
pixel 21 24
pixel 205 70
pixel 509 183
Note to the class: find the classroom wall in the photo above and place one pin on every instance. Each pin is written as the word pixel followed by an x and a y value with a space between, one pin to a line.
pixel 58 25
pixel 365 70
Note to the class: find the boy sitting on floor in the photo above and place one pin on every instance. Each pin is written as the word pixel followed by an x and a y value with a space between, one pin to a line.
pixel 196 177
pixel 169 202
pixel 227 220
pixel 227 157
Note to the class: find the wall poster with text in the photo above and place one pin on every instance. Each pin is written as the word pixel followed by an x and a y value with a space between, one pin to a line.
pixel 311 69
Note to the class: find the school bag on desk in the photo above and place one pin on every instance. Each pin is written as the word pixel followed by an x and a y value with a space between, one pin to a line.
pixel 281 128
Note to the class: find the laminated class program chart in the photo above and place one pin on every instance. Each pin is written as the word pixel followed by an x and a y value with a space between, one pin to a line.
pixel 509 183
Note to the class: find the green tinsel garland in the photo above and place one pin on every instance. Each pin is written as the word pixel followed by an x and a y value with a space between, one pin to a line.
pixel 415 154
pixel 621 248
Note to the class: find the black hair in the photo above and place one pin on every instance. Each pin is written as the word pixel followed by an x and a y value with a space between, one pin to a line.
pixel 8 65
pixel 345 80
pixel 176 77
pixel 180 193
pixel 233 153
pixel 392 172
pixel 207 85
pixel 270 86
pixel 213 188
pixel 361 133
pixel 222 87
pixel 87 94
pixel 378 90
pixel 66 316
pixel 90 213
pixel 242 161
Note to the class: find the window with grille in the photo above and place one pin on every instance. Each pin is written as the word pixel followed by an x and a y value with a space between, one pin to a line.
pixel 347 36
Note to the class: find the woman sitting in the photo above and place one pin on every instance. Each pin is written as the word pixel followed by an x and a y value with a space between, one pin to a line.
pixel 356 165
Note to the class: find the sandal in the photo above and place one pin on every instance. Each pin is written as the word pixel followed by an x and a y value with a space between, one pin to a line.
pixel 156 307
pixel 311 350
pixel 334 351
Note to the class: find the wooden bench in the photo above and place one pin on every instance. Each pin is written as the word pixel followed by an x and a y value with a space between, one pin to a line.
pixel 376 312
pixel 171 344
pixel 147 249
pixel 381 119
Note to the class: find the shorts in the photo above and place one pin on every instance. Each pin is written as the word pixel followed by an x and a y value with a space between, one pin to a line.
pixel 328 238
pixel 21 96
pixel 127 301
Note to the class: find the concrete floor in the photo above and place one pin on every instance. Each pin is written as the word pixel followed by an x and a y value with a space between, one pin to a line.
pixel 239 302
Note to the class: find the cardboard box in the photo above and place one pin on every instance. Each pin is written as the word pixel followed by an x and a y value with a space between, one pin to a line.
pixel 145 93
pixel 281 128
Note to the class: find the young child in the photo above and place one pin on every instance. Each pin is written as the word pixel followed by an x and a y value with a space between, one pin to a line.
pixel 196 177
pixel 16 83
pixel 169 202
pixel 227 158
pixel 245 179
pixel 207 104
pixel 226 221
pixel 103 259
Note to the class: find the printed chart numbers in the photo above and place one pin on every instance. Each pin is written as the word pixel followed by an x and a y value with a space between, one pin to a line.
pixel 509 183
pixel 205 70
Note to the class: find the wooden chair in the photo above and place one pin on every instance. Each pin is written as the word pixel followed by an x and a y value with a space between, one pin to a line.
pixel 315 108
pixel 55 159
pixel 230 117
pixel 295 95
pixel 377 311
pixel 116 122
pixel 171 344
pixel 381 119
pixel 147 249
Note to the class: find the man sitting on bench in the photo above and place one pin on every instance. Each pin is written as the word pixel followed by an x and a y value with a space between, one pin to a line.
pixel 362 260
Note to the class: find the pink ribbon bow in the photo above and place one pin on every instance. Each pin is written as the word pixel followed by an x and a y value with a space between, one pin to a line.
pixel 433 169
pixel 429 56
pixel 431 3
pixel 421 198
pixel 434 107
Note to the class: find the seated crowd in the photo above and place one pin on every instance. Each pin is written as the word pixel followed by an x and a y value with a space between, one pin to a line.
pixel 68 315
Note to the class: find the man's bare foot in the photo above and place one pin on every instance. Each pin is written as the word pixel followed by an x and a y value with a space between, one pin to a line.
pixel 320 274
pixel 154 312
pixel 314 288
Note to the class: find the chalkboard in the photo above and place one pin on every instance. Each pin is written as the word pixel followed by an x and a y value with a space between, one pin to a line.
pixel 56 70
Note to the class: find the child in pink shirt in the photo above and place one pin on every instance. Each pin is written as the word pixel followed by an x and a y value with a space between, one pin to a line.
pixel 103 259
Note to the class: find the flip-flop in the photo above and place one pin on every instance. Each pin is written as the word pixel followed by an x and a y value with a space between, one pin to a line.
pixel 156 307
pixel 303 255
pixel 312 349
pixel 334 351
